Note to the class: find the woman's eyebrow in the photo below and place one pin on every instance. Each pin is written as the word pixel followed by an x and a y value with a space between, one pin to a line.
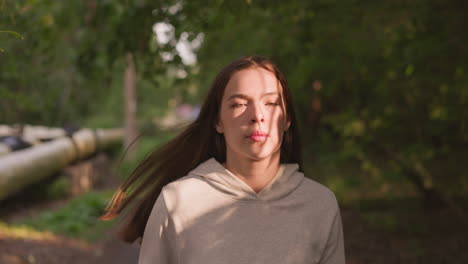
pixel 271 93
pixel 246 97
pixel 241 96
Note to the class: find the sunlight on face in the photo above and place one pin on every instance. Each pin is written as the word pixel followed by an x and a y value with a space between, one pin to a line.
pixel 251 116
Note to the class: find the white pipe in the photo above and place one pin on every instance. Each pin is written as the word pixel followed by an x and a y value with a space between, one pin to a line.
pixel 28 166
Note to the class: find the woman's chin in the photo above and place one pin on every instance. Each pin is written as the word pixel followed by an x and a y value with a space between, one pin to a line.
pixel 253 152
pixel 261 155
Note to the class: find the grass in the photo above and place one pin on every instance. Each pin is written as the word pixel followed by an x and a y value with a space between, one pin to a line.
pixel 23 232
pixel 78 219
pixel 143 147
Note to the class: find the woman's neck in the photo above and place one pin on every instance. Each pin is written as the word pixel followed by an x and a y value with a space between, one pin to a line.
pixel 255 173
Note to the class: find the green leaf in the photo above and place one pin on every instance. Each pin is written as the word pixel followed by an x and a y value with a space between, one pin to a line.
pixel 17 35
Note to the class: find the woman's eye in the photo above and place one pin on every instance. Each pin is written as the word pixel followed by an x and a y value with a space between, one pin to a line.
pixel 236 105
pixel 272 103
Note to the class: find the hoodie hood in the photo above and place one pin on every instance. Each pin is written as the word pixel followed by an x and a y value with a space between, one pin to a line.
pixel 287 179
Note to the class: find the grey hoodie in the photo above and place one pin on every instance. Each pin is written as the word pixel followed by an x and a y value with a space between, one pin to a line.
pixel 211 216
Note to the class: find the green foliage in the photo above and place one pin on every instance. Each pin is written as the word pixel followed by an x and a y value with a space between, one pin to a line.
pixel 397 215
pixel 59 188
pixel 144 146
pixel 66 65
pixel 15 34
pixel 393 73
pixel 79 218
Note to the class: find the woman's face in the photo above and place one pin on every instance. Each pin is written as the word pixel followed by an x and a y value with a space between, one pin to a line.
pixel 251 116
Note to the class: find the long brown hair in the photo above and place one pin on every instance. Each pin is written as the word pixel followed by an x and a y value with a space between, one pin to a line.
pixel 193 146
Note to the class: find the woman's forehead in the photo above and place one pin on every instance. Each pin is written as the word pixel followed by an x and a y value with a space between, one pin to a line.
pixel 253 81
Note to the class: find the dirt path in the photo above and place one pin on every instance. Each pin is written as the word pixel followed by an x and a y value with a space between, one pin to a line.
pixel 26 246
pixel 363 245
pixel 117 252
pixel 413 237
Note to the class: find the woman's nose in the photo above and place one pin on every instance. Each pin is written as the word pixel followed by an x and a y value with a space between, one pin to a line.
pixel 257 115
pixel 255 120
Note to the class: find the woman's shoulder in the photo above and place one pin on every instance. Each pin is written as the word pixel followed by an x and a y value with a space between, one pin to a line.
pixel 189 195
pixel 185 184
pixel 189 188
pixel 316 191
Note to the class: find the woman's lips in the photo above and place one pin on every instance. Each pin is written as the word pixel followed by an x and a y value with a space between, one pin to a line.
pixel 258 136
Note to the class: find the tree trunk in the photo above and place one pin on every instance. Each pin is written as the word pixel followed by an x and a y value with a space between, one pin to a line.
pixel 130 108
pixel 90 11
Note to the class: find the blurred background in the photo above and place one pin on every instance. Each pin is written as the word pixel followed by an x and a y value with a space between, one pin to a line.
pixel 380 89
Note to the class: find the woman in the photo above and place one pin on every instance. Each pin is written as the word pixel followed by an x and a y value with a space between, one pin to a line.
pixel 230 188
